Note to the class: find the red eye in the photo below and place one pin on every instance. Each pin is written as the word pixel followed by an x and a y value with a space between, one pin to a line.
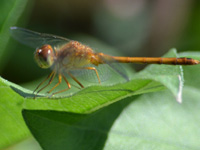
pixel 44 56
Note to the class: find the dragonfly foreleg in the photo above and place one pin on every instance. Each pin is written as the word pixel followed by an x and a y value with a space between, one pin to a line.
pixel 51 76
pixel 59 81
pixel 68 84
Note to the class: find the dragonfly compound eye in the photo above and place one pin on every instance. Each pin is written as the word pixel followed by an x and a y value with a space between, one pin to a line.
pixel 44 56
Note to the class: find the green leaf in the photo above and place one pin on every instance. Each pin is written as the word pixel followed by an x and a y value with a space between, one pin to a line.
pixel 96 97
pixel 170 76
pixel 191 73
pixel 12 128
pixel 152 79
pixel 137 122
pixel 152 120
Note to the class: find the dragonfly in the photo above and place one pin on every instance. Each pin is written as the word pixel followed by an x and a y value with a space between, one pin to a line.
pixel 64 55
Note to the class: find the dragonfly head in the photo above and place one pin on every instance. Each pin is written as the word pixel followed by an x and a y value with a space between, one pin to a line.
pixel 44 56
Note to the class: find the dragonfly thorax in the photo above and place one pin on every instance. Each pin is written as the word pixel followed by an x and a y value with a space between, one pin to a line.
pixel 44 56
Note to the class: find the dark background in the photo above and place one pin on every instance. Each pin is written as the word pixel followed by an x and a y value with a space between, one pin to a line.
pixel 132 27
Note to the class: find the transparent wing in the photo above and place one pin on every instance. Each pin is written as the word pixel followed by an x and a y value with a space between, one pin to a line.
pixel 120 70
pixel 110 69
pixel 105 72
pixel 112 63
pixel 36 39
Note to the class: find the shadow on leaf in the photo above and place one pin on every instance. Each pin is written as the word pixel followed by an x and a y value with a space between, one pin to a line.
pixel 62 130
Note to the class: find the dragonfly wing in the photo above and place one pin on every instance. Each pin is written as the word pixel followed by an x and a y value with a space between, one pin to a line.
pixel 110 68
pixel 116 67
pixel 104 72
pixel 119 69
pixel 36 39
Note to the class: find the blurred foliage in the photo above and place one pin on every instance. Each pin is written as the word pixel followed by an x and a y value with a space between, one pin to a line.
pixel 134 28
pixel 10 13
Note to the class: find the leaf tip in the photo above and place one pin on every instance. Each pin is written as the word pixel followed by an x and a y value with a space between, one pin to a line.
pixel 180 89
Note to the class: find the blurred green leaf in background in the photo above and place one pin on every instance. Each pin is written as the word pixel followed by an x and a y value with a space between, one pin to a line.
pixel 139 114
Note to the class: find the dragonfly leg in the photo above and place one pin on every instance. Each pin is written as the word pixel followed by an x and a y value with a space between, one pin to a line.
pixel 44 81
pixel 68 84
pixel 93 68
pixel 75 79
pixel 59 81
pixel 50 81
